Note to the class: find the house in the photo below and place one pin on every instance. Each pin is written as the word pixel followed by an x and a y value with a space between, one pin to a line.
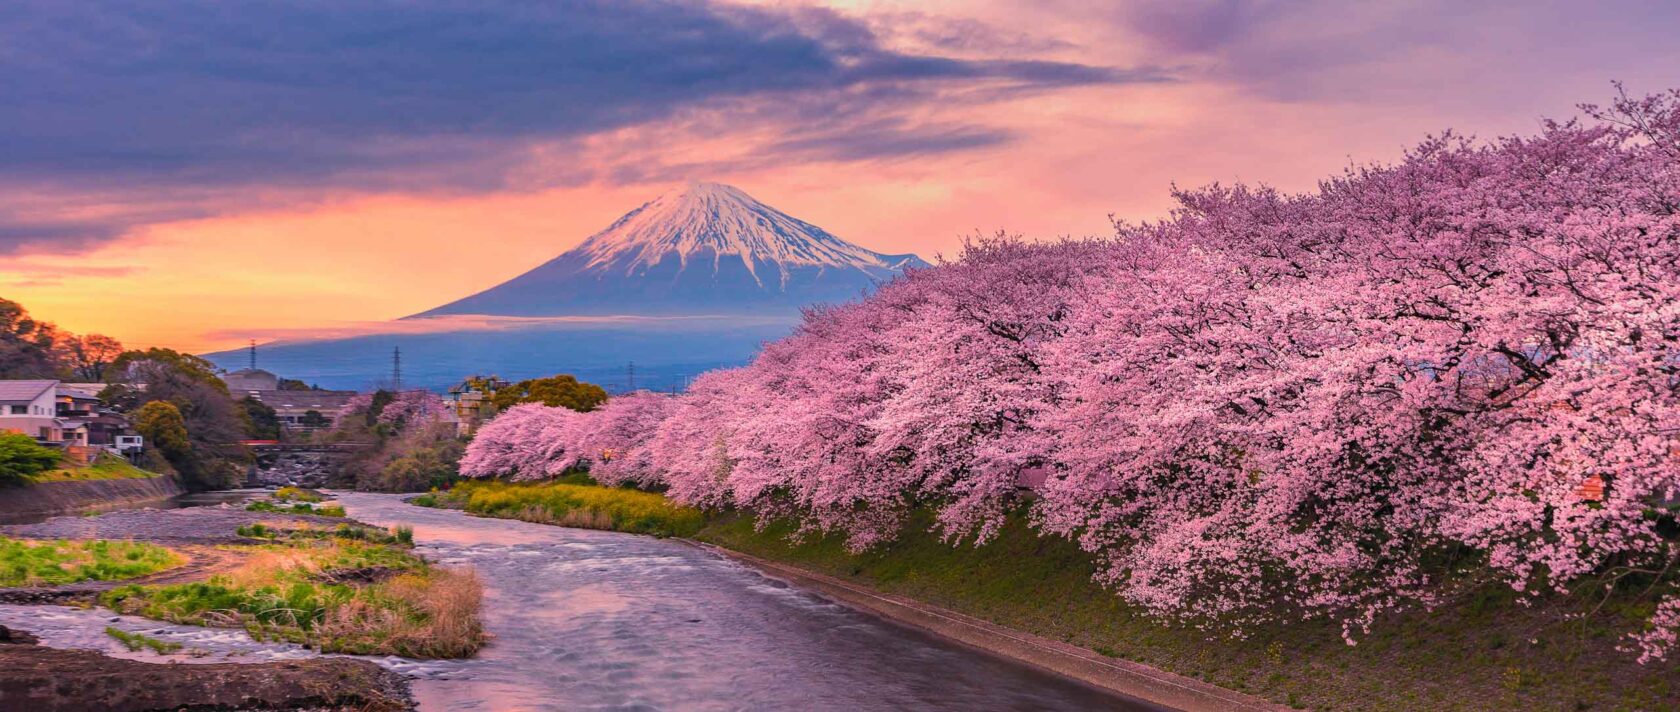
pixel 106 428
pixel 248 381
pixel 31 408
pixel 68 416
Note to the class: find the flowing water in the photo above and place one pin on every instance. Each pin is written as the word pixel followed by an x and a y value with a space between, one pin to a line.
pixel 591 620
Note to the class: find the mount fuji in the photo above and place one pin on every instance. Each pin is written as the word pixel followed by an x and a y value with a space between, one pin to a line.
pixel 696 279
pixel 707 249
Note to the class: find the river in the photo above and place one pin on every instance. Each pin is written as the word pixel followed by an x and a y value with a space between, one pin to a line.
pixel 592 620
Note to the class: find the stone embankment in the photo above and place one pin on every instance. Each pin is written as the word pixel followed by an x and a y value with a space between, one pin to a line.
pixel 50 498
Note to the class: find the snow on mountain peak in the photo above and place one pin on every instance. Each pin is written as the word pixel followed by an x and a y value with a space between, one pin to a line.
pixel 707 248
pixel 711 221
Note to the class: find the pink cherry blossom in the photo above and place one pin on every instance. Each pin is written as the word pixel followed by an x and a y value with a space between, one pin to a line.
pixel 1264 407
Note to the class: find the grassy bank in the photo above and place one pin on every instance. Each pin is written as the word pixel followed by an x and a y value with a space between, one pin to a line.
pixel 58 562
pixel 1483 651
pixel 137 642
pixel 283 507
pixel 360 593
pixel 104 467
pixel 297 494
pixel 572 505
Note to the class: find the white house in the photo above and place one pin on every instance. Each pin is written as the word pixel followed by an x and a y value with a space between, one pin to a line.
pixel 31 408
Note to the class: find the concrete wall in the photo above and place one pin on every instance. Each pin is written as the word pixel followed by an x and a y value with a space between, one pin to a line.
pixel 33 502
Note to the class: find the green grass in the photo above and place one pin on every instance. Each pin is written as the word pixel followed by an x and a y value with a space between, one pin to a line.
pixel 290 494
pixel 328 510
pixel 342 595
pixel 1471 653
pixel 574 505
pixel 104 467
pixel 58 562
pixel 402 534
pixel 137 642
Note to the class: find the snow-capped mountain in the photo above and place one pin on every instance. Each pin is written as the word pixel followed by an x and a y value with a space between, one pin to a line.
pixel 705 249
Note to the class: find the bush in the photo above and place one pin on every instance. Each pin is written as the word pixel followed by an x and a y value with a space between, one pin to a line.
pixel 337 594
pixel 328 510
pixel 289 494
pixel 584 506
pixel 21 457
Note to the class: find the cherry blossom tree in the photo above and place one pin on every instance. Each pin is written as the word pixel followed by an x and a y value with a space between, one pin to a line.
pixel 526 442
pixel 1459 367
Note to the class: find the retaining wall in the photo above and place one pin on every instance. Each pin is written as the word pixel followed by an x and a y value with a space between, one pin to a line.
pixel 31 502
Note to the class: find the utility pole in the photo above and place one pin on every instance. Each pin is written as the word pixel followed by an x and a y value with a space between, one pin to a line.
pixel 253 354
pixel 630 374
pixel 396 369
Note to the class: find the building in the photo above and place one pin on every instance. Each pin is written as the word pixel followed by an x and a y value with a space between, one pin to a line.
pixel 294 408
pixel 247 381
pixel 469 400
pixel 69 416
pixel 31 408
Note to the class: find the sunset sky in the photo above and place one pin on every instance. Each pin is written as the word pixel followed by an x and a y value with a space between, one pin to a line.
pixel 194 173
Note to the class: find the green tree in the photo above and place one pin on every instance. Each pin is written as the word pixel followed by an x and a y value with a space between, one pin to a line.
pixel 21 456
pixel 314 419
pixel 563 390
pixel 262 422
pixel 186 365
pixel 160 422
pixel 215 423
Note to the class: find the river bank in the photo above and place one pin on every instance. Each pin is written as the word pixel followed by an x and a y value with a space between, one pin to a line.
pixel 45 679
pixel 40 500
pixel 1474 653
pixel 585 619
pixel 63 650
pixel 590 619
pixel 1471 652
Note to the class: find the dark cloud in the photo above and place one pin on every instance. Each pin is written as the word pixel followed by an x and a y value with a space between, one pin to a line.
pixel 1331 50
pixel 130 96
pixel 890 140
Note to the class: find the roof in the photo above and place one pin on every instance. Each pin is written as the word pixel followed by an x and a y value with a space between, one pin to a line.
pixel 24 391
pixel 76 394
pixel 81 390
pixel 250 372
pixel 317 400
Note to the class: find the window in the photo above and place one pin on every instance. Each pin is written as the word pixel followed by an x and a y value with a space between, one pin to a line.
pixel 20 410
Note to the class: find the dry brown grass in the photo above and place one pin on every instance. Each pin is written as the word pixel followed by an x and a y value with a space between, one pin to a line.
pixel 430 615
pixel 263 567
pixel 340 596
pixel 580 518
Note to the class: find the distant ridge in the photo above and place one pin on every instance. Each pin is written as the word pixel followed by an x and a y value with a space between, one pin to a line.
pixel 706 249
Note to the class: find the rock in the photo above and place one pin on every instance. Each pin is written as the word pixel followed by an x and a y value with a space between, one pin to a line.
pixel 43 679
pixel 13 636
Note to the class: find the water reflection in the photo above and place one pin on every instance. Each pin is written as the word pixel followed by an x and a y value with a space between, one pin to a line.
pixel 588 620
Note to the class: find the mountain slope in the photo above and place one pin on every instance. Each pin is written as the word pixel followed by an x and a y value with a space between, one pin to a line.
pixel 707 249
